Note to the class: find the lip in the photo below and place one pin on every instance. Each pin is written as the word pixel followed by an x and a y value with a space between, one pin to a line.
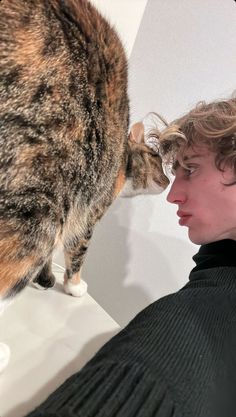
pixel 184 217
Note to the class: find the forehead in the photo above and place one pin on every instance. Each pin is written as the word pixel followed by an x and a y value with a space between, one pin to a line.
pixel 191 154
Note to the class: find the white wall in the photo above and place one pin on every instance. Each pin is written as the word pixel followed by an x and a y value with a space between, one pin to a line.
pixel 185 51
pixel 125 16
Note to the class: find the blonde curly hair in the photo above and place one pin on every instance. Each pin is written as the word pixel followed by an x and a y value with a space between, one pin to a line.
pixel 213 125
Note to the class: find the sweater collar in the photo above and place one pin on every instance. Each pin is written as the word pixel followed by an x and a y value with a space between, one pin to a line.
pixel 216 254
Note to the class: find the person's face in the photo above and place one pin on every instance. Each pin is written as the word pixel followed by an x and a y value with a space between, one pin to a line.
pixel 205 205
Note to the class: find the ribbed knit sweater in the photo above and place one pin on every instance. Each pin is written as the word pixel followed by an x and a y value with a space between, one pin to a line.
pixel 177 358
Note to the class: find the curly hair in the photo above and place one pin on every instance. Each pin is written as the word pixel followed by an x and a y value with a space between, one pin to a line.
pixel 212 125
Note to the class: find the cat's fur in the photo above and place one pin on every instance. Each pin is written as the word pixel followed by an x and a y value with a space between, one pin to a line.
pixel 64 124
pixel 64 148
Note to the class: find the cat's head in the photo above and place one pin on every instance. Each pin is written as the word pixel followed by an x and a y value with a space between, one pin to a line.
pixel 144 171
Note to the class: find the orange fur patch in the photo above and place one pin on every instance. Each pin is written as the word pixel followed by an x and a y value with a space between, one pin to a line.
pixel 11 269
pixel 27 154
pixel 28 55
pixel 119 182
pixel 76 131
pixel 75 279
pixel 9 246
pixel 29 50
pixel 12 272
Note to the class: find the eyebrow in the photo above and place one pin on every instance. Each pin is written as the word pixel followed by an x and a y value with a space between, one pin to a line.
pixel 186 158
pixel 176 164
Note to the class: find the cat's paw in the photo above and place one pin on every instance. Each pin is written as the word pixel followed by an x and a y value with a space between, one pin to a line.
pixel 43 281
pixel 4 356
pixel 77 290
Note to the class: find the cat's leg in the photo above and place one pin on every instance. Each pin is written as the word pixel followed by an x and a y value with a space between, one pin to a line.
pixel 45 278
pixel 78 233
pixel 74 257
pixel 76 240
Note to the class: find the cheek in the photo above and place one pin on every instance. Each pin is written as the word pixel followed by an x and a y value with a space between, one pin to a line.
pixel 212 198
pixel 216 213
pixel 207 209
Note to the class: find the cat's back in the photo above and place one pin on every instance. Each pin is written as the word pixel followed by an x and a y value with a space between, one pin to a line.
pixel 63 78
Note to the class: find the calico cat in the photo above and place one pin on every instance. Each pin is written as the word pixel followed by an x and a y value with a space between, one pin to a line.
pixel 64 147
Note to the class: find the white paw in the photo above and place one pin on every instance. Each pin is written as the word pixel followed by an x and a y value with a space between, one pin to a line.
pixel 77 290
pixel 4 356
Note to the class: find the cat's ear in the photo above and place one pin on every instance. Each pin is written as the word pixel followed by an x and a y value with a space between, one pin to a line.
pixel 137 133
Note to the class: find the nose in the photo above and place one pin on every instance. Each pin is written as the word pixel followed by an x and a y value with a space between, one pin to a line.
pixel 177 194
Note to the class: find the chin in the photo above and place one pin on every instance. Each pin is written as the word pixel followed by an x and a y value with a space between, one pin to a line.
pixel 204 240
pixel 200 240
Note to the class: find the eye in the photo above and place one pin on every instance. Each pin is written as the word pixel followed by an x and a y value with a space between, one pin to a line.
pixel 189 170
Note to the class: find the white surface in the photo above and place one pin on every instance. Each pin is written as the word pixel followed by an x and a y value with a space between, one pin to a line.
pixel 5 354
pixel 51 336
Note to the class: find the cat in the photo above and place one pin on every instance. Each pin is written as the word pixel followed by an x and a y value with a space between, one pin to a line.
pixel 65 153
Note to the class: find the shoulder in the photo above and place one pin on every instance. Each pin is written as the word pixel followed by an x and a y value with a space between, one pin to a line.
pixel 170 309
pixel 166 325
pixel 179 322
pixel 176 326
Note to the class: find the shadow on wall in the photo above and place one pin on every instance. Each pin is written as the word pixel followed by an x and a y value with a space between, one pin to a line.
pixel 126 269
pixel 107 265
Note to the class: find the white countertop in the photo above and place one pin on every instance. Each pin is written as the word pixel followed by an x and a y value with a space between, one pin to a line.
pixel 51 336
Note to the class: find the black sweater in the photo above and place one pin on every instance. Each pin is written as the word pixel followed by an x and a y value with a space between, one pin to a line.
pixel 177 358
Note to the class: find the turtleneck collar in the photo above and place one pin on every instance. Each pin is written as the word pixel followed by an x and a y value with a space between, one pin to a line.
pixel 216 254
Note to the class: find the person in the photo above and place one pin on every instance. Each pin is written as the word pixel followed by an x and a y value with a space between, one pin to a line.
pixel 177 357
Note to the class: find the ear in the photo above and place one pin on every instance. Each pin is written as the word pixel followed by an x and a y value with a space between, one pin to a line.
pixel 137 133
